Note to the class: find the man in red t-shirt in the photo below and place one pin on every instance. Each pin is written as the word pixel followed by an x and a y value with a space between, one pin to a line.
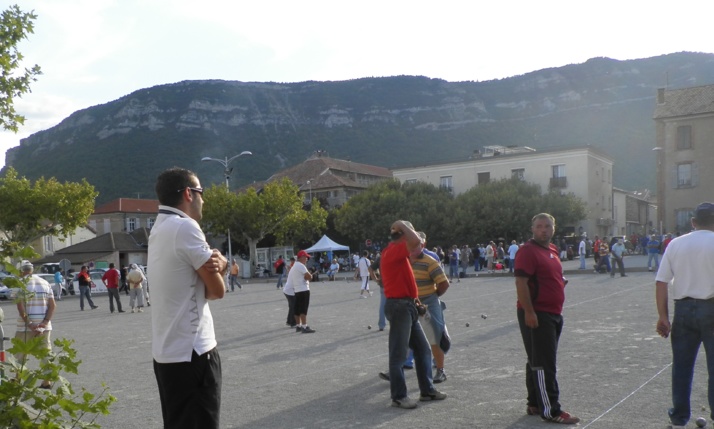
pixel 405 331
pixel 540 287
pixel 111 281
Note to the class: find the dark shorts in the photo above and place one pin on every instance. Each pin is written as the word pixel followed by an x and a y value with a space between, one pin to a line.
pixel 190 392
pixel 302 301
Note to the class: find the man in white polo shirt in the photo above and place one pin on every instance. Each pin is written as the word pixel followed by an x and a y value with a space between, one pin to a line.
pixel 185 274
pixel 686 272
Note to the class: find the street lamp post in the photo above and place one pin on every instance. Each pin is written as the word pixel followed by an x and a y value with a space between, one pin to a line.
pixel 227 173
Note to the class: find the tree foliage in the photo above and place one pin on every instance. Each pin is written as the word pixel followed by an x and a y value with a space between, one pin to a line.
pixel 15 25
pixel 498 209
pixel 369 214
pixel 277 210
pixel 47 207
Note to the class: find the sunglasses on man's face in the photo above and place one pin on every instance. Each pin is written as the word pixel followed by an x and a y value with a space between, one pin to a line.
pixel 199 190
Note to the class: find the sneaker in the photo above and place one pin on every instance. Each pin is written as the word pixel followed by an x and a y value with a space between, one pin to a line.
pixel 434 395
pixel 532 411
pixel 307 330
pixel 440 376
pixel 298 329
pixel 363 297
pixel 141 310
pixel 122 311
pixel 564 418
pixel 132 309
pixel 94 307
pixel 384 376
pixel 405 403
pixel 407 366
pixel 371 293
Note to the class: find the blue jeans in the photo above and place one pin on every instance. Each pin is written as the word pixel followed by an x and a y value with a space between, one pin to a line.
pixel 382 300
pixel 652 256
pixel 604 260
pixel 85 291
pixel 405 332
pixel 453 271
pixel 582 261
pixel 692 325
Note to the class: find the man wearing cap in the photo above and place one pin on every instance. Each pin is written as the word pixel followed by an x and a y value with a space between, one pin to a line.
pixel 185 275
pixel 299 280
pixel 687 269
pixel 36 307
pixel 405 332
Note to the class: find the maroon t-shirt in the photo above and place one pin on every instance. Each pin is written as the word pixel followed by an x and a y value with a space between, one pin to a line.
pixel 396 271
pixel 541 265
pixel 112 278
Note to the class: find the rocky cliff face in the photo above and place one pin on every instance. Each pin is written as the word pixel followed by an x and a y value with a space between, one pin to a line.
pixel 384 121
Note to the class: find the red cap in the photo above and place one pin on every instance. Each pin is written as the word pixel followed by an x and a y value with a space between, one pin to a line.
pixel 303 254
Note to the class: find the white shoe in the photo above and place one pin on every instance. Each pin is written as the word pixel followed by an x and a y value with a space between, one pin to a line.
pixel 371 293
pixel 132 309
pixel 362 297
pixel 141 310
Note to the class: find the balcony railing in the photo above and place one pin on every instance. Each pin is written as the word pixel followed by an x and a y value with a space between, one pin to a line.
pixel 558 182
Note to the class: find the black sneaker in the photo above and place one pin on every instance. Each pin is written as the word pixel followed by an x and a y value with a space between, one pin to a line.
pixel 307 330
pixel 434 395
pixel 298 329
pixel 384 376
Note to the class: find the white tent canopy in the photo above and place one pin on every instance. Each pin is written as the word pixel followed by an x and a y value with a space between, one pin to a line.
pixel 325 244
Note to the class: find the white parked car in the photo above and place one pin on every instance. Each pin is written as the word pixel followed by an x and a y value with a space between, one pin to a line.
pixel 97 283
pixel 50 278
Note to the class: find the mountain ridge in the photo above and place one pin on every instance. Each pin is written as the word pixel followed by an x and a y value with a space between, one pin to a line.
pixel 389 122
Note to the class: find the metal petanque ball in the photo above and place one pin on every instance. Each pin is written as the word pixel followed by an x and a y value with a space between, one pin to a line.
pixel 701 422
pixel 467 325
pixel 483 316
pixel 369 326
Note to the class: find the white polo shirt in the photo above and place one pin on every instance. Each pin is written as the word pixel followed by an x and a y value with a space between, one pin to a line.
pixel 180 316
pixel 296 277
pixel 688 263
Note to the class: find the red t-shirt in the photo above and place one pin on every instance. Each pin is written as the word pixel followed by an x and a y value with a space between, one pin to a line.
pixel 541 265
pixel 112 278
pixel 397 275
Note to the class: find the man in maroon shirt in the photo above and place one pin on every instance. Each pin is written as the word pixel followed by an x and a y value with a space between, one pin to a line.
pixel 405 331
pixel 111 281
pixel 540 287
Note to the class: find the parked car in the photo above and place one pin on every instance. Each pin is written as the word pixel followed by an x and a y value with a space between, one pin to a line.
pixel 97 283
pixel 50 278
pixel 6 292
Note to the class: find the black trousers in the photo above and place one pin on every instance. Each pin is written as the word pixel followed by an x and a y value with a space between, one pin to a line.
pixel 190 392
pixel 291 308
pixel 541 346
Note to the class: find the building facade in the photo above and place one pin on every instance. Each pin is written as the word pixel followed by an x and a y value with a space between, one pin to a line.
pixel 684 121
pixel 124 215
pixel 633 213
pixel 586 172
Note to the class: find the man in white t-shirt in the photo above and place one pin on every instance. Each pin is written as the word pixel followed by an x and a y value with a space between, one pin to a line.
pixel 687 270
pixel 185 274
pixel 299 280
pixel 363 266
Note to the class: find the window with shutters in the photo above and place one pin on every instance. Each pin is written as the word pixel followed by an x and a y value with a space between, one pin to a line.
pixel 684 175
pixel 446 182
pixel 684 137
pixel 518 173
pixel 683 218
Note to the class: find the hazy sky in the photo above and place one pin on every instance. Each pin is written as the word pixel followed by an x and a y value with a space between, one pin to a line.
pixel 95 51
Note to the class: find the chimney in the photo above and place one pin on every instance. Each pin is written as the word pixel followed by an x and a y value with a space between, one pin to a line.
pixel 660 95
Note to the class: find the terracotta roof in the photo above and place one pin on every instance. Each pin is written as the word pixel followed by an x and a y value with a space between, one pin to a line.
pixel 129 205
pixel 687 101
pixel 323 171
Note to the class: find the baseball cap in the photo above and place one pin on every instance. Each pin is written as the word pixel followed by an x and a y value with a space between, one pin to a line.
pixel 25 264
pixel 704 211
pixel 303 254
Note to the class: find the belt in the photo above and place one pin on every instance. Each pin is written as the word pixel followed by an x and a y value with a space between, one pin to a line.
pixel 687 298
pixel 402 299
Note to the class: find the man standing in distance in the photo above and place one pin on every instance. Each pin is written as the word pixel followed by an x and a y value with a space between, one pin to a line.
pixel 405 332
pixel 185 274
pixel 111 281
pixel 687 268
pixel 540 287
pixel 299 280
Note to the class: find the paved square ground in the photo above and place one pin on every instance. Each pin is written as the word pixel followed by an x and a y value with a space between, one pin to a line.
pixel 614 370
